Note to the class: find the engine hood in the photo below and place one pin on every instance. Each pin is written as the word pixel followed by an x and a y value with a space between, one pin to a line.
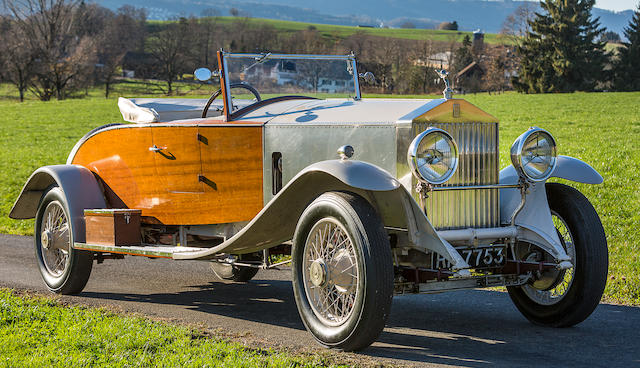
pixel 365 112
pixel 339 111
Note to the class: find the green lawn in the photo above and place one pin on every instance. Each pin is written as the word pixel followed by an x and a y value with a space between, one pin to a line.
pixel 340 32
pixel 39 332
pixel 602 129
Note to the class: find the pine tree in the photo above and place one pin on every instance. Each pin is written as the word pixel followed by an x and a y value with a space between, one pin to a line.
pixel 627 73
pixel 463 55
pixel 563 51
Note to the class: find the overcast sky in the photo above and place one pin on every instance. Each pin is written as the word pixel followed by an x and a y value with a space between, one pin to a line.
pixel 617 5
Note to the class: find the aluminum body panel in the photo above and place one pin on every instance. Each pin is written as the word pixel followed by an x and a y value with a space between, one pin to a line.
pixel 79 186
pixel 534 221
pixel 576 170
pixel 334 111
pixel 278 219
pixel 304 144
pixel 568 168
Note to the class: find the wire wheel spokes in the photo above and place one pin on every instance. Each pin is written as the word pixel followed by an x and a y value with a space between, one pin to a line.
pixel 330 272
pixel 55 239
pixel 565 278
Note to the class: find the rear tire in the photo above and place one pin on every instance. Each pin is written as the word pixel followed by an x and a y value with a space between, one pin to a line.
pixel 342 271
pixel 65 270
pixel 581 287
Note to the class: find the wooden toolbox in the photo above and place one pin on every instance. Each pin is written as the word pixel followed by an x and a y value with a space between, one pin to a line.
pixel 113 226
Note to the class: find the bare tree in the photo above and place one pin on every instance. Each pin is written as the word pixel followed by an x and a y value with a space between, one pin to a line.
pixel 206 33
pixel 114 39
pixel 170 47
pixel 61 56
pixel 16 60
pixel 516 26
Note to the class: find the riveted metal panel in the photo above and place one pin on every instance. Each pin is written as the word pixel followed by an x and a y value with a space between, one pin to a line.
pixel 304 144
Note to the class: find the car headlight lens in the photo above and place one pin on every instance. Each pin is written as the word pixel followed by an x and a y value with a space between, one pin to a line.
pixel 433 156
pixel 534 154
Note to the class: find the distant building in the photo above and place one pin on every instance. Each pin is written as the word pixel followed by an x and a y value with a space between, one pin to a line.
pixel 478 42
pixel 440 60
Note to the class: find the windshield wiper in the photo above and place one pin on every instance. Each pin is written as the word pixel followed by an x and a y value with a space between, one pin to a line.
pixel 259 60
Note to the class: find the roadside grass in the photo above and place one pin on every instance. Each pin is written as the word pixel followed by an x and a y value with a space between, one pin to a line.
pixel 336 32
pixel 602 129
pixel 38 331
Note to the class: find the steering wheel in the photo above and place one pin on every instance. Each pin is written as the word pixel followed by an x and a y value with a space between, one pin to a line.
pixel 217 93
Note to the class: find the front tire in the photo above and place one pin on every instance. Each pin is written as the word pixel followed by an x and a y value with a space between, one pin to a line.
pixel 576 292
pixel 342 271
pixel 65 270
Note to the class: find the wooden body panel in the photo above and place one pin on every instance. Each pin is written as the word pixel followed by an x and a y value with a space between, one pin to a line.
pixel 207 174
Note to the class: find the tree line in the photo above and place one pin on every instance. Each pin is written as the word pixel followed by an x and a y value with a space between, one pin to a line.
pixel 59 48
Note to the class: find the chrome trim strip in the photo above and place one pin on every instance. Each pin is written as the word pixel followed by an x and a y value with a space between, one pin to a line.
pixel 470 235
pixel 473 187
pixel 291 56
pixel 144 250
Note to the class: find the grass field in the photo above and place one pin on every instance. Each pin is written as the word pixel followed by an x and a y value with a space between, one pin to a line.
pixel 38 332
pixel 602 129
pixel 340 32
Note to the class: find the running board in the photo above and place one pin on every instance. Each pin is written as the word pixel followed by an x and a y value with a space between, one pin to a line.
pixel 152 251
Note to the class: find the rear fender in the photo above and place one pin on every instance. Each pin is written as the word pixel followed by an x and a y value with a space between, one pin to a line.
pixel 277 221
pixel 80 188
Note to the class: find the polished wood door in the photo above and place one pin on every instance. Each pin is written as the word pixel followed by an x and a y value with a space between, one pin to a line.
pixel 177 156
pixel 231 172
pixel 209 174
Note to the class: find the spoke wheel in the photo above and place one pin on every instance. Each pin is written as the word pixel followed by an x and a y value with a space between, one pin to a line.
pixel 565 298
pixel 330 272
pixel 542 294
pixel 64 269
pixel 55 239
pixel 342 271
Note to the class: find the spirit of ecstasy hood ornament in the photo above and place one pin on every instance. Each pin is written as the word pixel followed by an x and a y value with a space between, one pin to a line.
pixel 444 75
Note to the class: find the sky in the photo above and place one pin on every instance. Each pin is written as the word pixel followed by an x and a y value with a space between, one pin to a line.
pixel 617 5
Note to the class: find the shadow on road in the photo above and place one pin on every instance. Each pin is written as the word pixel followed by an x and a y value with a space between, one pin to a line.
pixel 262 301
pixel 470 328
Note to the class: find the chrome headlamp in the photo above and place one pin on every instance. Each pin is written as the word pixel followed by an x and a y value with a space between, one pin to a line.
pixel 433 156
pixel 534 154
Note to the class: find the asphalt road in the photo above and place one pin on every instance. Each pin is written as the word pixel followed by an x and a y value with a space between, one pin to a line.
pixel 465 328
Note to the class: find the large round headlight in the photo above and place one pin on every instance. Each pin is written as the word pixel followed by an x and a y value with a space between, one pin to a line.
pixel 534 154
pixel 433 156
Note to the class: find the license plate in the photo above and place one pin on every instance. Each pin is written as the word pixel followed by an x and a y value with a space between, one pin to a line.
pixel 480 257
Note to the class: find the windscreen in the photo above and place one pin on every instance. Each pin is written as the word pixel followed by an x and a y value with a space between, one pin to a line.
pixel 280 76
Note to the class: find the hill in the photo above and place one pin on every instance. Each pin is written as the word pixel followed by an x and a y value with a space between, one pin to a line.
pixel 470 14
pixel 340 32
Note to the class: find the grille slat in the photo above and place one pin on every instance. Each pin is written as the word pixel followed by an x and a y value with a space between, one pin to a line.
pixel 478 165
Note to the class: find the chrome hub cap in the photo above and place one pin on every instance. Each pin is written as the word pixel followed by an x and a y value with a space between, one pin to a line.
pixel 46 239
pixel 318 273
pixel 552 286
pixel 330 272
pixel 55 240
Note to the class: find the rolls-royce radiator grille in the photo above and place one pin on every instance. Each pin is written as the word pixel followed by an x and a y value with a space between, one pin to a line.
pixel 478 165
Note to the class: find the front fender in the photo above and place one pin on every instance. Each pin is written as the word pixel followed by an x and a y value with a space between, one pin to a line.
pixel 534 221
pixel 568 168
pixel 79 185
pixel 277 221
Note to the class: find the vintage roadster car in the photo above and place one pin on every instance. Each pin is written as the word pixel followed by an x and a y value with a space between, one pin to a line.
pixel 371 197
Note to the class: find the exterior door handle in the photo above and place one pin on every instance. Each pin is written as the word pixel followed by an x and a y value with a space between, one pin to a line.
pixel 155 148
